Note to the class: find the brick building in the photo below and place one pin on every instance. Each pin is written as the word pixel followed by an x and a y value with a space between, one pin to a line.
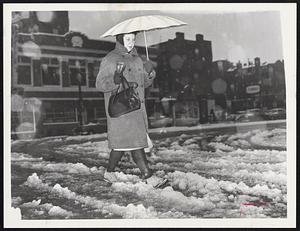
pixel 251 85
pixel 45 71
pixel 184 73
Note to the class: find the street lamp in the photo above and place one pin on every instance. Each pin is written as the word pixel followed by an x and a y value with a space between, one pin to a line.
pixel 170 101
pixel 80 102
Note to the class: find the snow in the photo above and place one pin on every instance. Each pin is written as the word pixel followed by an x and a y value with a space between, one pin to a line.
pixel 210 175
pixel 38 164
pixel 189 141
pixel 269 176
pixel 58 211
pixel 221 146
pixel 129 211
pixel 39 209
pixel 23 157
pixel 166 196
pixel 240 143
pixel 275 138
pixel 16 201
pixel 35 182
pixel 139 211
pixel 31 204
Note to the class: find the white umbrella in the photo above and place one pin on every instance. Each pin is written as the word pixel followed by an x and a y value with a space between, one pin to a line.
pixel 143 23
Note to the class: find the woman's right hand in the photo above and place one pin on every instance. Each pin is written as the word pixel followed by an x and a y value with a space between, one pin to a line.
pixel 119 72
pixel 120 67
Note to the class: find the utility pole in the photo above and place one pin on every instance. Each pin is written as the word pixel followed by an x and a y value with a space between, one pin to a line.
pixel 80 103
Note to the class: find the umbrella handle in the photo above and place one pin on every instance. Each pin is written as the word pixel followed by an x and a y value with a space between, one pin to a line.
pixel 146 45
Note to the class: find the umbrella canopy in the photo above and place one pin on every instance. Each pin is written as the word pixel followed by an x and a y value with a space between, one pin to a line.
pixel 143 23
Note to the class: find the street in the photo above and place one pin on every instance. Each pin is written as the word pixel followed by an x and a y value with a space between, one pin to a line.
pixel 214 172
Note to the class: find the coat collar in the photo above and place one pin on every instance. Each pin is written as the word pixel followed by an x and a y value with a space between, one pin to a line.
pixel 120 49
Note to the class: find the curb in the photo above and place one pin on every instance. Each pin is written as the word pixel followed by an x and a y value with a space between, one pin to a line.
pixel 239 127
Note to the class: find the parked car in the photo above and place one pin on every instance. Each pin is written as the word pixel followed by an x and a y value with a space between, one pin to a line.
pixel 186 121
pixel 160 121
pixel 275 113
pixel 251 115
pixel 238 115
pixel 97 126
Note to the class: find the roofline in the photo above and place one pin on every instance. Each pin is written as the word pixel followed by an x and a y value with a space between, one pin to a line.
pixel 64 35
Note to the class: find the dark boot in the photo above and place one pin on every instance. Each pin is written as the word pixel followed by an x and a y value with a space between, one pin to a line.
pixel 139 157
pixel 114 158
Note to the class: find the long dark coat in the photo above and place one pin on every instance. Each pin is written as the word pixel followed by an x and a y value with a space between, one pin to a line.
pixel 129 130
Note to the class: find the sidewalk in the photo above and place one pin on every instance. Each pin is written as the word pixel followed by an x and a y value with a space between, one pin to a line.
pixel 174 131
pixel 157 133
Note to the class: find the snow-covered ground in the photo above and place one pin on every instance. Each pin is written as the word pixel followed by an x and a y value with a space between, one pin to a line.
pixel 211 175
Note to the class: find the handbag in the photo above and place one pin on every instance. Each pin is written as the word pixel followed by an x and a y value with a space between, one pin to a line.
pixel 123 101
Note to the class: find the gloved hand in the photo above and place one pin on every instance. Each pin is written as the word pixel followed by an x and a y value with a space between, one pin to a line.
pixel 120 67
pixel 117 77
pixel 148 66
pixel 133 84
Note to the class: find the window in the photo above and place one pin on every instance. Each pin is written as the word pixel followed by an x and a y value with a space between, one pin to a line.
pixel 52 116
pixel 24 70
pixel 59 112
pixel 100 110
pixel 93 72
pixel 50 71
pixel 77 68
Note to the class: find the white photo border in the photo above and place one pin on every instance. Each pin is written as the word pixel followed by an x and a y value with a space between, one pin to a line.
pixel 288 26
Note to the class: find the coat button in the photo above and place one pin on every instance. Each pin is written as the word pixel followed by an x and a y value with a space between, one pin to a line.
pixel 129 69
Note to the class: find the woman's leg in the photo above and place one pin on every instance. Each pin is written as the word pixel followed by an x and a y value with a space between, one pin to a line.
pixel 140 159
pixel 114 158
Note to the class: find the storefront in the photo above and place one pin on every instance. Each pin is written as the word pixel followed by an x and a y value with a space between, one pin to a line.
pixel 47 68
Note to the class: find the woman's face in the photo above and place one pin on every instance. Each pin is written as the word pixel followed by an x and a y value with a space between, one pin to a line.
pixel 129 41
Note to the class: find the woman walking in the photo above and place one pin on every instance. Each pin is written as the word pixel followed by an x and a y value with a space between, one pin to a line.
pixel 129 131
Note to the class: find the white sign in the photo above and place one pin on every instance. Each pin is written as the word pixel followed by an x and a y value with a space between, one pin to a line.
pixel 253 89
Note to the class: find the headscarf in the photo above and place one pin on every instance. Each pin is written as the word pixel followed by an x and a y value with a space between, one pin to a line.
pixel 120 37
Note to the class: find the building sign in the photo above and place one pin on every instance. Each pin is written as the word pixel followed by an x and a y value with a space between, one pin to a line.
pixel 253 89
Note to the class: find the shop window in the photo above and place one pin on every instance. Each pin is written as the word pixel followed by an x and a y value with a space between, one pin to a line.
pixel 59 112
pixel 100 112
pixel 50 71
pixel 77 67
pixel 24 70
pixel 187 109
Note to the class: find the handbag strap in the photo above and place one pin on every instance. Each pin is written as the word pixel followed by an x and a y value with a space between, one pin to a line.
pixel 124 82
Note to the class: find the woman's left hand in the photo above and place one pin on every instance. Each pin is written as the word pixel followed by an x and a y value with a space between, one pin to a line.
pixel 148 66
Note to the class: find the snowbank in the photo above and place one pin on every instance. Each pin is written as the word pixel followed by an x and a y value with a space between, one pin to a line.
pixel 58 211
pixel 77 168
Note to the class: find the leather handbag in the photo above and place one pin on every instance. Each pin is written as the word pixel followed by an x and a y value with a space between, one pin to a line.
pixel 123 101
